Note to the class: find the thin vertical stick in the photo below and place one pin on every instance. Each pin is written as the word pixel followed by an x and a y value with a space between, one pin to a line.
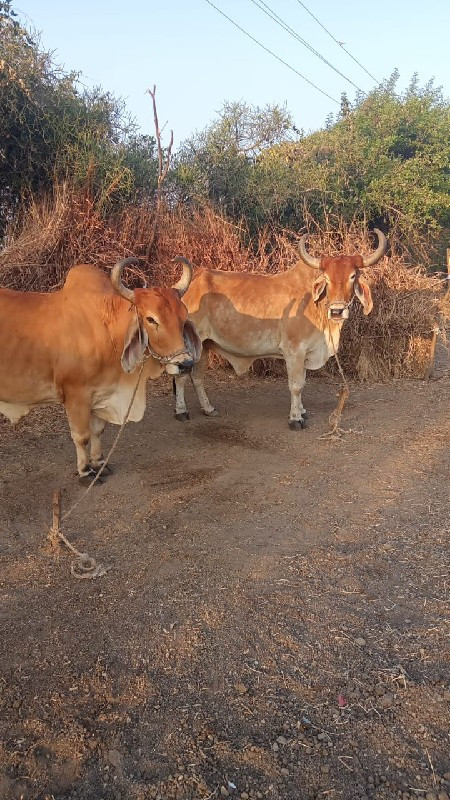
pixel 56 506
pixel 163 168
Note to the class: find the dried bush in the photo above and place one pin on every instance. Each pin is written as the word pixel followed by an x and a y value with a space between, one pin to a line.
pixel 395 340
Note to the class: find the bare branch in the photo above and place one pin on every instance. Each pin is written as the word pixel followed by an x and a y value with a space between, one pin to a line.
pixel 163 168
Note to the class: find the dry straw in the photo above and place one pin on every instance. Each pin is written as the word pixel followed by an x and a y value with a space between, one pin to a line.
pixel 394 341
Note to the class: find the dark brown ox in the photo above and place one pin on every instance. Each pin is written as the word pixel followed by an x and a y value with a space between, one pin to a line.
pixel 295 315
pixel 80 346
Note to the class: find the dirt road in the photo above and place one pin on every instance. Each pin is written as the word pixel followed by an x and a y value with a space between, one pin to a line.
pixel 275 620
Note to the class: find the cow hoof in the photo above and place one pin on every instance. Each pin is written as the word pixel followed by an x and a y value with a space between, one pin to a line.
pixel 106 470
pixel 183 417
pixel 296 424
pixel 86 480
pixel 213 413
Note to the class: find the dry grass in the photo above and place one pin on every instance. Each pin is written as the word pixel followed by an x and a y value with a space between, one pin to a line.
pixel 395 340
pixel 57 233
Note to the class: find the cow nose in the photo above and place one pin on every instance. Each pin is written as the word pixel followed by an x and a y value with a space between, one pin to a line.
pixel 186 365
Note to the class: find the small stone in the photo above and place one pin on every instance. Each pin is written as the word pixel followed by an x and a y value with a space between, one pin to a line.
pixel 281 740
pixel 241 688
pixel 386 700
pixel 430 796
pixel 114 758
pixel 446 694
pixel 275 747
pixel 224 792
pixel 442 796
pixel 321 736
pixel 284 771
pixel 360 641
pixel 446 776
pixel 325 768
pixel 244 796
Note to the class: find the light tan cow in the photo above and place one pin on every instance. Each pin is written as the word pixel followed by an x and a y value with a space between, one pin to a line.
pixel 80 346
pixel 296 315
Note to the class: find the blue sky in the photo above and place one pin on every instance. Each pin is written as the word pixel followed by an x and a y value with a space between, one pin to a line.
pixel 198 59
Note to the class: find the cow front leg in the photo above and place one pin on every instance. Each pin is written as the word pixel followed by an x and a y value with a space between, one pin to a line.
pixel 97 427
pixel 199 386
pixel 79 415
pixel 179 385
pixel 296 376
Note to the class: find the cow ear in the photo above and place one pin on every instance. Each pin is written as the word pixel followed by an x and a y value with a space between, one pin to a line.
pixel 364 295
pixel 136 340
pixel 319 287
pixel 192 341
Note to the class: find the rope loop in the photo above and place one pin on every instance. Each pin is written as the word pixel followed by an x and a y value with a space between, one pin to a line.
pixel 86 567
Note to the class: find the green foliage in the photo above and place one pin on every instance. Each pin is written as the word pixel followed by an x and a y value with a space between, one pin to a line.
pixel 49 129
pixel 384 161
pixel 217 164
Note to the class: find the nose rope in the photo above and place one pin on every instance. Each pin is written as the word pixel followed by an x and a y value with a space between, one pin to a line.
pixel 345 305
pixel 166 359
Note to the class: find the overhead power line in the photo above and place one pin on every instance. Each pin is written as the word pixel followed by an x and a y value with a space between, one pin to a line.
pixel 338 42
pixel 272 53
pixel 277 19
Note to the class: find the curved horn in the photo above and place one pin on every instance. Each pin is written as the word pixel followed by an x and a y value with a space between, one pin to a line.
pixel 183 284
pixel 369 261
pixel 116 278
pixel 305 256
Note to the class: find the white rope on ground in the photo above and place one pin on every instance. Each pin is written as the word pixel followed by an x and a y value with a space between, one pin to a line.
pixel 84 566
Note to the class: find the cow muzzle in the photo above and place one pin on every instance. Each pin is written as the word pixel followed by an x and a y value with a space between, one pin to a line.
pixel 183 366
pixel 176 363
pixel 339 311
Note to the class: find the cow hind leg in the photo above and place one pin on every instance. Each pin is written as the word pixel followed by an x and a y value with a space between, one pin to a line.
pixel 179 385
pixel 199 386
pixel 97 426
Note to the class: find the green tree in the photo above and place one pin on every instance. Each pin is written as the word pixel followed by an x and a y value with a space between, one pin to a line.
pixel 49 129
pixel 216 164
pixel 385 160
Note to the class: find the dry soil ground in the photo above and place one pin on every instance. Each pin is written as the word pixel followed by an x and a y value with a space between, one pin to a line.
pixel 274 621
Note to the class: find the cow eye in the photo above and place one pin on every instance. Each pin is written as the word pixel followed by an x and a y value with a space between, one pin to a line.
pixel 151 320
pixel 353 276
